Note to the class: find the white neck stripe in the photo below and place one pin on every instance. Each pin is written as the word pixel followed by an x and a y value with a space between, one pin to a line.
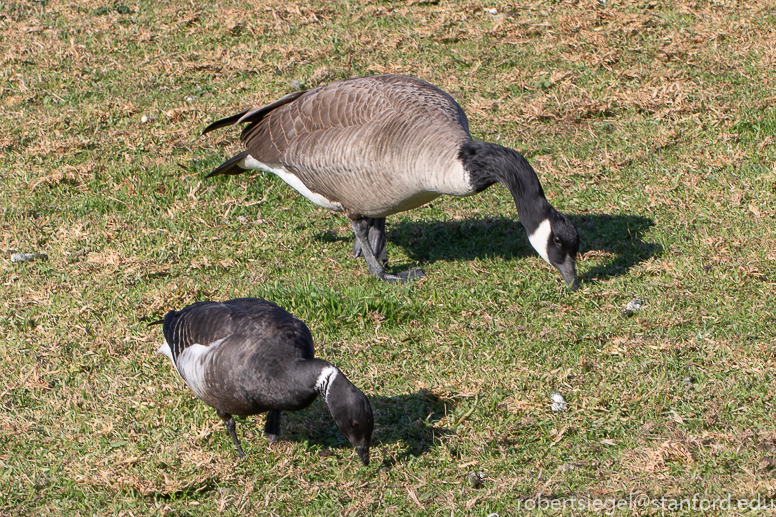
pixel 324 381
pixel 540 239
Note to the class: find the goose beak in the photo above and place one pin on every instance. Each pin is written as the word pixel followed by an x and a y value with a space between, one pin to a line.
pixel 363 453
pixel 569 272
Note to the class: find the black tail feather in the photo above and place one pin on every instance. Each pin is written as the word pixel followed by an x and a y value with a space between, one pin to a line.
pixel 230 166
pixel 254 114
pixel 228 121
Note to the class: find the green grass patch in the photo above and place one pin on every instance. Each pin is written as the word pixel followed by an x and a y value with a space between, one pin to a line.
pixel 652 126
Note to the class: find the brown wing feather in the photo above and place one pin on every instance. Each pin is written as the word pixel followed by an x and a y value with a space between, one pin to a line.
pixel 251 114
pixel 349 104
pixel 352 136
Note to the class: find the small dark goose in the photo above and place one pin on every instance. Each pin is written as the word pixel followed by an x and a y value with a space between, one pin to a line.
pixel 247 356
pixel 374 146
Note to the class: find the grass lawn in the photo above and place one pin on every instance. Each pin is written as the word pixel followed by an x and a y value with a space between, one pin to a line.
pixel 651 124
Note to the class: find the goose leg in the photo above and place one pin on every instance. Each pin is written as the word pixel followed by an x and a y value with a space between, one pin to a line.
pixel 376 240
pixel 231 426
pixel 272 427
pixel 361 231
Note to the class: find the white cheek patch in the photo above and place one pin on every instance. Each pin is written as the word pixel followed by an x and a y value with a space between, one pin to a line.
pixel 249 162
pixel 540 238
pixel 323 383
pixel 192 364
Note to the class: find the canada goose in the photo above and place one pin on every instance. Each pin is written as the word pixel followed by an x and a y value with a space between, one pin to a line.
pixel 247 356
pixel 374 146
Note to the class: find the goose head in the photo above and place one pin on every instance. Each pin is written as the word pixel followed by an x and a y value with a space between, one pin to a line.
pixel 352 412
pixel 556 240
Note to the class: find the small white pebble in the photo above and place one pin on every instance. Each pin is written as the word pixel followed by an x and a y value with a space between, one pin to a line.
pixel 26 257
pixel 189 99
pixel 475 478
pixel 144 119
pixel 633 306
pixel 493 11
pixel 558 402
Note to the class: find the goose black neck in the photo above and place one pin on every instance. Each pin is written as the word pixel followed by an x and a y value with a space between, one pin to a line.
pixel 490 163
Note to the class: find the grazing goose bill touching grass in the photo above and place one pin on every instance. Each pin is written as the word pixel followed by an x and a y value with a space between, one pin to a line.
pixel 374 146
pixel 248 356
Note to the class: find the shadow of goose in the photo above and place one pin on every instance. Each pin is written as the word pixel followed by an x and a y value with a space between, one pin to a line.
pixel 619 237
pixel 409 420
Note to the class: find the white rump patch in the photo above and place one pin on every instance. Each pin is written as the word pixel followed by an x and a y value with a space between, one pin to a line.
pixel 323 384
pixel 249 162
pixel 540 238
pixel 192 364
pixel 165 350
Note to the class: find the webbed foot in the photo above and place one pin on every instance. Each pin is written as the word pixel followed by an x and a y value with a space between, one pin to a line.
pixel 404 276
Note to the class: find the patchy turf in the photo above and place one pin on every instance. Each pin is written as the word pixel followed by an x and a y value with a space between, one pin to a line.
pixel 652 126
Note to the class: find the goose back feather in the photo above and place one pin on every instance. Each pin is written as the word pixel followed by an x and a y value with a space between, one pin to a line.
pixel 401 134
pixel 220 349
